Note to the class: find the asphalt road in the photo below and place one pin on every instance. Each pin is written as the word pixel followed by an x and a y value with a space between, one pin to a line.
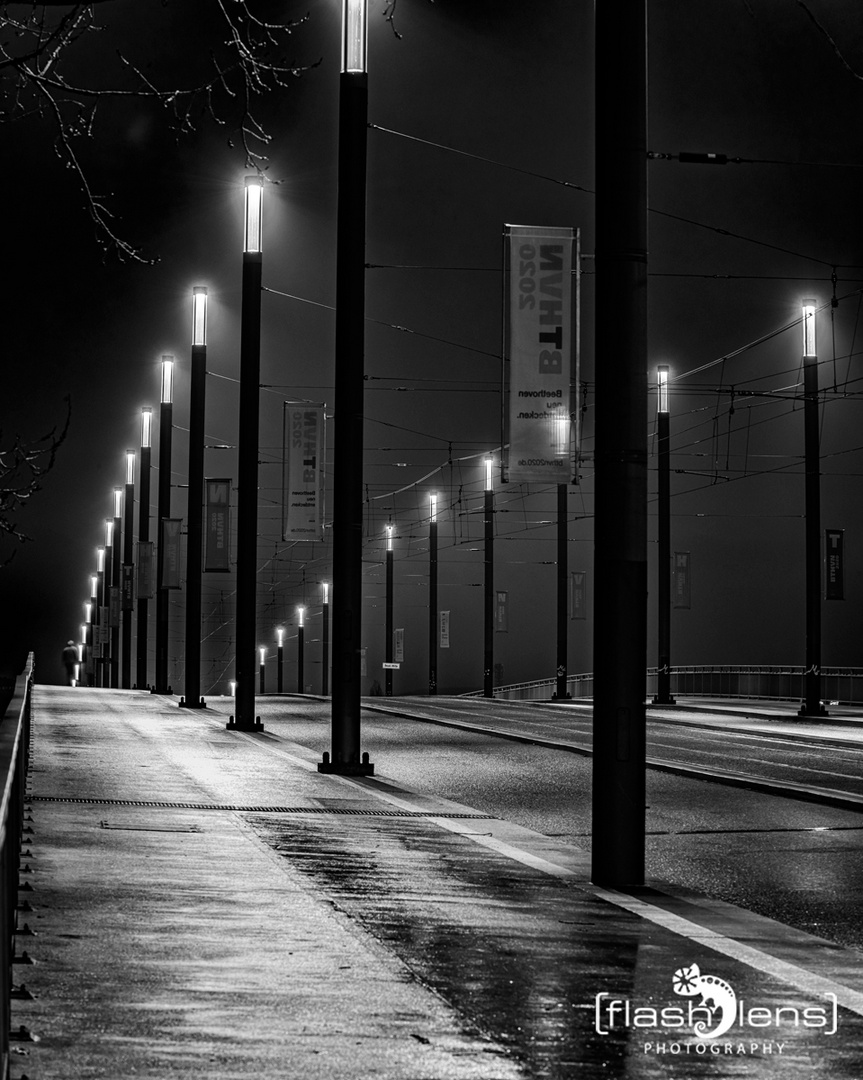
pixel 793 860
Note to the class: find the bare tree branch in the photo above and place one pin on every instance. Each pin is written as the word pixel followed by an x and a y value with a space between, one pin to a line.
pixel 833 45
pixel 23 466
pixel 37 52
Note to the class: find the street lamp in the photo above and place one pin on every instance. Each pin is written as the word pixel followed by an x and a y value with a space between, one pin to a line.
pixel 262 669
pixel 164 512
pixel 388 651
pixel 488 507
pixel 145 556
pixel 433 629
pixel 101 617
pixel 349 384
pixel 301 631
pixel 663 576
pixel 811 705
pixel 325 659
pixel 127 594
pixel 107 588
pixel 354 36
pixel 116 575
pixel 280 657
pixel 194 510
pixel 247 464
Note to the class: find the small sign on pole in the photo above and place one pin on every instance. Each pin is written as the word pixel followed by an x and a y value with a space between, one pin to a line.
pixel 681 591
pixel 393 666
pixel 835 548
pixel 444 629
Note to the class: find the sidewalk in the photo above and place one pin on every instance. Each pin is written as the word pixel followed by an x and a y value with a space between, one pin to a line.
pixel 208 905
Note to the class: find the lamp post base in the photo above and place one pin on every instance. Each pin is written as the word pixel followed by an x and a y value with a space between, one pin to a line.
pixel 819 710
pixel 232 725
pixel 200 704
pixel 666 700
pixel 347 768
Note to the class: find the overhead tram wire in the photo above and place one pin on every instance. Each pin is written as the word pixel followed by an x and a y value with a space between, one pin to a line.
pixel 589 191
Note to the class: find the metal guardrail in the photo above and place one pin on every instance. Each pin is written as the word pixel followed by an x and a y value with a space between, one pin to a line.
pixel 755 681
pixel 14 762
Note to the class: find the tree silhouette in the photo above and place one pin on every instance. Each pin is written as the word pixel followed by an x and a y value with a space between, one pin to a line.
pixel 216 59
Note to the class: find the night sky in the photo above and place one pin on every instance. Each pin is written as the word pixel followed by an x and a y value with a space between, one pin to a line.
pixel 510 85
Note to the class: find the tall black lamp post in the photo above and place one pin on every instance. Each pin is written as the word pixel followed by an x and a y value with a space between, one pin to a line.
pixel 100 621
pixel 194 513
pixel 301 635
pixel 325 645
pixel 128 594
pixel 116 577
pixel 247 467
pixel 388 620
pixel 345 757
pixel 144 549
pixel 108 584
pixel 280 658
pixel 812 705
pixel 663 574
pixel 488 654
pixel 166 412
pixel 433 594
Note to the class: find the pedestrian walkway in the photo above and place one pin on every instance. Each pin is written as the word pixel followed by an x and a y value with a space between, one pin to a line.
pixel 206 904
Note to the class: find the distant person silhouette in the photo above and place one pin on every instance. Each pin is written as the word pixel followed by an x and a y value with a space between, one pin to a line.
pixel 70 660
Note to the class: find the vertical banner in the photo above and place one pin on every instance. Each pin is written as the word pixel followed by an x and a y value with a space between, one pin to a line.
pixel 104 626
pixel 217 537
pixel 578 594
pixel 146 569
pixel 500 612
pixel 302 472
pixel 541 354
pixel 363 663
pixel 169 563
pixel 681 586
pixel 128 586
pixel 444 629
pixel 399 645
pixel 835 548
pixel 114 607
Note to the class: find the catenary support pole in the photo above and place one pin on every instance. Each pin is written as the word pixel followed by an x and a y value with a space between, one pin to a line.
pixel 562 584
pixel 620 610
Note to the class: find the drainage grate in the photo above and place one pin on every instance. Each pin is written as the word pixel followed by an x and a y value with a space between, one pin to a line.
pixel 255 809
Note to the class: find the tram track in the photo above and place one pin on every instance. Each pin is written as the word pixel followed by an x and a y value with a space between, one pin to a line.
pixel 807 791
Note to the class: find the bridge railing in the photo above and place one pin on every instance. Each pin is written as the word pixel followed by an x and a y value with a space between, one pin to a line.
pixel 14 761
pixel 757 681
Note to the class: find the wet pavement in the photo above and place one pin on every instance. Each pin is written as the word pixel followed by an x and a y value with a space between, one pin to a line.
pixel 208 905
